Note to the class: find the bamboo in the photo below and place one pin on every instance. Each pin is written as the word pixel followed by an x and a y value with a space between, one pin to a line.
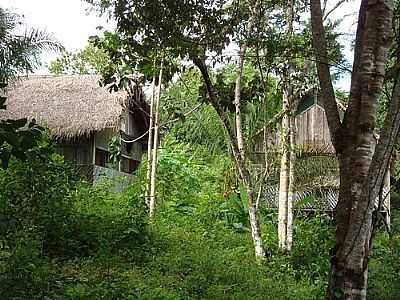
pixel 152 202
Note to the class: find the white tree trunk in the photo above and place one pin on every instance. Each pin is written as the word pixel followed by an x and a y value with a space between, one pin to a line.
pixel 150 142
pixel 266 167
pixel 255 230
pixel 284 178
pixel 291 187
pixel 252 207
pixel 238 114
pixel 152 204
pixel 285 209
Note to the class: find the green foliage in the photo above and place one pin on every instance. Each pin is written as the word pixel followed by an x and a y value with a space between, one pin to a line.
pixel 46 215
pixel 310 255
pixel 202 126
pixel 63 239
pixel 174 25
pixel 89 60
pixel 105 220
pixel 114 147
pixel 234 211
pixel 21 139
pixel 20 53
pixel 33 195
pixel 184 180
pixel 384 281
pixel 23 274
pixel 34 215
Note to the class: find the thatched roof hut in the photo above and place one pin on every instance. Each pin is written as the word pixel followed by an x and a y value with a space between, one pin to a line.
pixel 70 105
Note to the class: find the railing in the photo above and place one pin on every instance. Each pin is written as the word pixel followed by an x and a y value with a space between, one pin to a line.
pixel 320 199
pixel 99 172
pixel 94 174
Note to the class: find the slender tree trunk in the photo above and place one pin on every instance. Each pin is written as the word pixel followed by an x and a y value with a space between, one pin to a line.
pixel 284 177
pixel 152 205
pixel 150 141
pixel 266 164
pixel 285 214
pixel 236 136
pixel 286 184
pixel 291 187
pixel 238 113
pixel 252 207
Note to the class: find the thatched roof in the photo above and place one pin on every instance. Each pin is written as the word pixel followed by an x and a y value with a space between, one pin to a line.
pixel 70 105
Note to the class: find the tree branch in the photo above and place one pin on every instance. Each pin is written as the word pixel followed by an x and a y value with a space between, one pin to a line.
pixel 321 52
pixel 275 119
pixel 326 14
pixel 388 136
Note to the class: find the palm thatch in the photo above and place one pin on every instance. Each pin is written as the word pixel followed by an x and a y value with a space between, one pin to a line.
pixel 70 105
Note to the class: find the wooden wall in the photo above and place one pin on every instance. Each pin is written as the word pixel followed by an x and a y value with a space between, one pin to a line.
pixel 312 133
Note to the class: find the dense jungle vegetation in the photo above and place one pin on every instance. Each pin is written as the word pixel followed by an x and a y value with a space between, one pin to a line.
pixel 198 225
pixel 66 239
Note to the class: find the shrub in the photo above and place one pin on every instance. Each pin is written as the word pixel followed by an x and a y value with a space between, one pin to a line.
pixel 47 215
pixel 103 218
pixel 33 194
pixel 384 265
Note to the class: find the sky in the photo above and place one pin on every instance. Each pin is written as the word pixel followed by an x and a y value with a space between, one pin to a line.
pixel 72 25
pixel 349 12
pixel 67 20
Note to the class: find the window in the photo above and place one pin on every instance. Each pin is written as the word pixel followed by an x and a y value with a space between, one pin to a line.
pixel 75 154
pixel 102 157
pixel 128 165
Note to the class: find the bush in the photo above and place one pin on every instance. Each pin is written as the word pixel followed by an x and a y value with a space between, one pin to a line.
pixel 46 215
pixel 34 194
pixel 23 274
pixel 384 265
pixel 105 219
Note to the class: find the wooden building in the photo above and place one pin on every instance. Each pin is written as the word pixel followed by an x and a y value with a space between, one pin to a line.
pixel 312 131
pixel 83 118
pixel 317 172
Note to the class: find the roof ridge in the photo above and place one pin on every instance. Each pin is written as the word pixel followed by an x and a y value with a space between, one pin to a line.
pixel 57 75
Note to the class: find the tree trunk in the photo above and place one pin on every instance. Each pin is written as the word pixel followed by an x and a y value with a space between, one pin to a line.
pixel 240 163
pixel 150 141
pixel 236 136
pixel 152 205
pixel 266 163
pixel 252 207
pixel 284 180
pixel 285 214
pixel 291 187
pixel 255 225
pixel 362 164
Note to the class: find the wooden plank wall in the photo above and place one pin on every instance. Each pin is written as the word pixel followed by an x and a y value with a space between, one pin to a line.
pixel 312 133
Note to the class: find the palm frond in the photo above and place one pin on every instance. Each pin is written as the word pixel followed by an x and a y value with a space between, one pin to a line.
pixel 21 53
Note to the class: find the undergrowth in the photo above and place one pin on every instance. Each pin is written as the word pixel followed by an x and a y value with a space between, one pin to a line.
pixel 64 239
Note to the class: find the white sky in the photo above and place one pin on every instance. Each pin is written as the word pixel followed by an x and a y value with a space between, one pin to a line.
pixel 67 20
pixel 349 12
pixel 70 23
